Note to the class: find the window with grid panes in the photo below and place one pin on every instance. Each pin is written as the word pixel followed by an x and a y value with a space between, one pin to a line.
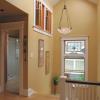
pixel 74 59
pixel 43 17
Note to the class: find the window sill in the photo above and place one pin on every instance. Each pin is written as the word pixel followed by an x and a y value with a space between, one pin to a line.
pixel 36 29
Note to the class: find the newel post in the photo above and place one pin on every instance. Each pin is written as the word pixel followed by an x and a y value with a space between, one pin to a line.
pixel 62 88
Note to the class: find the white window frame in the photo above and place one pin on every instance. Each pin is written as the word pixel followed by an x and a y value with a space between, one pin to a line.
pixel 44 32
pixel 86 53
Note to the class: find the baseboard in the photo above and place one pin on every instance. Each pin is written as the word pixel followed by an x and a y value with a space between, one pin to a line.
pixel 31 92
pixel 28 92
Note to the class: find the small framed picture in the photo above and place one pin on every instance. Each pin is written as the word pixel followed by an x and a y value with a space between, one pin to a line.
pixel 47 62
pixel 40 53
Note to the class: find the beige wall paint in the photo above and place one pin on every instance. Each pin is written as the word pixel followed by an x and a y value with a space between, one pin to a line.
pixel 98 40
pixel 37 80
pixel 83 17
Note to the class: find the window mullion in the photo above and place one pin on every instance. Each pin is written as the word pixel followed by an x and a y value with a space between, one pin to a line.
pixel 73 57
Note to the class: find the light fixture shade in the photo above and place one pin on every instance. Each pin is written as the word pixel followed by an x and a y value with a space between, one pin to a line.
pixel 65 28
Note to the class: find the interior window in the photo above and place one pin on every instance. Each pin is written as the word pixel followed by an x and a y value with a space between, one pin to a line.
pixel 42 17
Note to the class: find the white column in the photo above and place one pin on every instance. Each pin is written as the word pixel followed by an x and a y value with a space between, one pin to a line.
pixel 62 88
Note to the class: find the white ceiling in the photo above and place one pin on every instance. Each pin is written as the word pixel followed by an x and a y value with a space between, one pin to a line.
pixel 54 2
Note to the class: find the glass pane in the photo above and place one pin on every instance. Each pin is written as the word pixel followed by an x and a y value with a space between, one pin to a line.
pixel 74 69
pixel 75 76
pixel 74 65
pixel 48 20
pixel 75 47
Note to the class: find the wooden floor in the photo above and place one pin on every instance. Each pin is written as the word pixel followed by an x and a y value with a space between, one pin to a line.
pixel 9 96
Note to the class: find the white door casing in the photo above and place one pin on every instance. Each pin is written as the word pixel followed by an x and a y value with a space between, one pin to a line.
pixel 5 28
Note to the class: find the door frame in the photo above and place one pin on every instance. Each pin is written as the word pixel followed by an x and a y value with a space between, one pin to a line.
pixel 5 28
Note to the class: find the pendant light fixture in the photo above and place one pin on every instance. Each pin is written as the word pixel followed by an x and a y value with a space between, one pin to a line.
pixel 66 28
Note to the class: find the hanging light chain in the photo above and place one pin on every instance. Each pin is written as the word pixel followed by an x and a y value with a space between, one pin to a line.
pixel 68 28
pixel 64 2
pixel 68 18
pixel 67 14
pixel 62 14
pixel 61 18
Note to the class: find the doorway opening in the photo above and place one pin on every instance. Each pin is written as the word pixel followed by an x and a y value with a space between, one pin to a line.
pixel 12 83
pixel 13 31
pixel 12 62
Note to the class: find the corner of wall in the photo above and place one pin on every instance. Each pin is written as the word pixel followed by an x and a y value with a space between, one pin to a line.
pixel 28 92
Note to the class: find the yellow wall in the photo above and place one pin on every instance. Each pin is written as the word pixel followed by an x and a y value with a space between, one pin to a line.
pixel 83 17
pixel 37 80
pixel 98 40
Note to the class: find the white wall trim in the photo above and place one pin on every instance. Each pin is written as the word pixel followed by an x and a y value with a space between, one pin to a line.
pixel 28 92
pixel 44 3
pixel 5 28
pixel 62 57
pixel 75 38
pixel 34 12
pixel 31 92
pixel 43 32
pixel 86 54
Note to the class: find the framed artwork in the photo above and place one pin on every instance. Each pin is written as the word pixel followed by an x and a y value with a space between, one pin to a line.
pixel 47 62
pixel 40 53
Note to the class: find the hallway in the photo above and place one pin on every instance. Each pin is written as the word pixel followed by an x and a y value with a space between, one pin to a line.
pixel 9 96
